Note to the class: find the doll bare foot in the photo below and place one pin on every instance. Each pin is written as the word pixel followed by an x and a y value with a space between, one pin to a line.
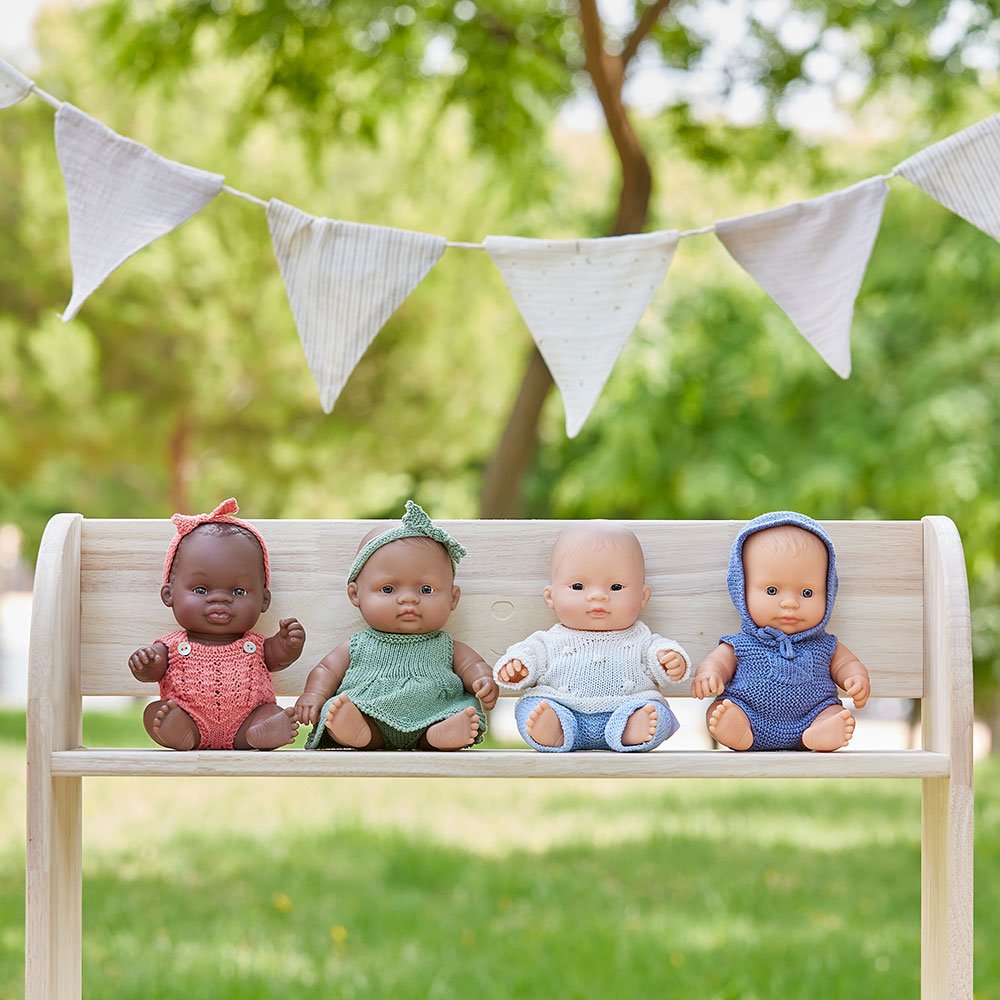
pixel 544 727
pixel 345 723
pixel 831 730
pixel 267 728
pixel 170 726
pixel 729 725
pixel 457 731
pixel 641 726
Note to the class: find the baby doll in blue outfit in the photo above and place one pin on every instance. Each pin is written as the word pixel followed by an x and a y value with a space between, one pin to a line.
pixel 775 682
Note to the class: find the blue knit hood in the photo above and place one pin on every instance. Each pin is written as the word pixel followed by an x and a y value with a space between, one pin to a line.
pixel 772 637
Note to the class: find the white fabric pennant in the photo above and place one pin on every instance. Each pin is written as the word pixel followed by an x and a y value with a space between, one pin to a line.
pixel 121 197
pixel 581 300
pixel 14 85
pixel 811 257
pixel 963 173
pixel 344 280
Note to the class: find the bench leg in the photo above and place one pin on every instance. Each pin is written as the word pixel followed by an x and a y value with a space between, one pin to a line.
pixel 946 890
pixel 54 891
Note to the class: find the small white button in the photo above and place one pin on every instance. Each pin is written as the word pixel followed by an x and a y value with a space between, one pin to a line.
pixel 249 647
pixel 184 648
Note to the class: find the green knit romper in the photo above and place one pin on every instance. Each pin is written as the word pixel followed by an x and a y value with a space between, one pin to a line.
pixel 405 683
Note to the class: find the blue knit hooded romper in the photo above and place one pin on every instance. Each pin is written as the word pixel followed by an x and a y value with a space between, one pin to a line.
pixel 782 682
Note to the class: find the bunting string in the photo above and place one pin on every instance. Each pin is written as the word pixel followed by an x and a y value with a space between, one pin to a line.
pixel 580 299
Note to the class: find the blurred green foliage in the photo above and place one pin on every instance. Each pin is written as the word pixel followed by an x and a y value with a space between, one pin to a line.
pixel 183 381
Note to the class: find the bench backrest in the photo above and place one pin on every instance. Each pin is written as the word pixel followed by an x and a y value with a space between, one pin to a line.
pixel 879 610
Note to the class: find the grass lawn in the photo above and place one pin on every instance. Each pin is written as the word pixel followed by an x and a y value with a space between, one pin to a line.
pixel 354 888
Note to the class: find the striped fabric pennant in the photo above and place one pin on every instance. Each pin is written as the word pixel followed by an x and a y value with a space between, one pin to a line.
pixel 121 197
pixel 14 85
pixel 963 173
pixel 581 300
pixel 344 280
pixel 811 258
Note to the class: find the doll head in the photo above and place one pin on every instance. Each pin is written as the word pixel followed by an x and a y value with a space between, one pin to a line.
pixel 216 574
pixel 597 578
pixel 403 579
pixel 783 575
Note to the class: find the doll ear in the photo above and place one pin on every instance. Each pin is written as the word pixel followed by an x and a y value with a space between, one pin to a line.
pixel 547 595
pixel 167 594
pixel 265 601
pixel 646 594
pixel 456 593
pixel 352 594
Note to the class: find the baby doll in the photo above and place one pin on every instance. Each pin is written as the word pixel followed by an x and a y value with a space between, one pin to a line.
pixel 214 672
pixel 593 676
pixel 775 682
pixel 401 683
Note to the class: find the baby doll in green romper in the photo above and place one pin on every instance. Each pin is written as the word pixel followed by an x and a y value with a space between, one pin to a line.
pixel 401 683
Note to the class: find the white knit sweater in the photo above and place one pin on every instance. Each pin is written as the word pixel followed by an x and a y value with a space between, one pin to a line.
pixel 591 671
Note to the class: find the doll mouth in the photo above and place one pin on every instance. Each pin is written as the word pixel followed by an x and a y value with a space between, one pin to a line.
pixel 219 617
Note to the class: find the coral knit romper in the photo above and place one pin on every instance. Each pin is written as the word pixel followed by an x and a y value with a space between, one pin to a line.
pixel 218 686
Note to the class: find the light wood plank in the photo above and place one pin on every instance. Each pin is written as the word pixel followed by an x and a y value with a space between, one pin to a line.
pixel 879 609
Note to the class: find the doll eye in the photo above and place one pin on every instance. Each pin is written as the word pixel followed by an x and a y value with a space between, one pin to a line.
pixel 772 591
pixel 617 586
pixel 239 592
pixel 808 592
pixel 576 586
pixel 426 589
pixel 387 589
pixel 201 590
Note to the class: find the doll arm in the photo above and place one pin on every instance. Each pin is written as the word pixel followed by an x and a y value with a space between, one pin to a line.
pixel 285 646
pixel 850 674
pixel 149 663
pixel 664 656
pixel 476 675
pixel 714 672
pixel 519 667
pixel 323 681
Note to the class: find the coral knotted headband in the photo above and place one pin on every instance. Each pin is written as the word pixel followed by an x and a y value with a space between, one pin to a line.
pixel 223 514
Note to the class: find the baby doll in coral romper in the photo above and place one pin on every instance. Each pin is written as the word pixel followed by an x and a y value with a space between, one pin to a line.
pixel 775 681
pixel 402 683
pixel 591 680
pixel 214 672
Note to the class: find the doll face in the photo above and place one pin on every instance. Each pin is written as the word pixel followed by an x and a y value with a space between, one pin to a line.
pixel 216 588
pixel 406 587
pixel 785 578
pixel 597 581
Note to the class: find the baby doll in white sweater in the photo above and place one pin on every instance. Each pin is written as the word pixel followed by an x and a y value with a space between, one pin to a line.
pixel 593 677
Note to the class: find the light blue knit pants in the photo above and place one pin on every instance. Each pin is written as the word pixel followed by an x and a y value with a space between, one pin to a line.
pixel 596 730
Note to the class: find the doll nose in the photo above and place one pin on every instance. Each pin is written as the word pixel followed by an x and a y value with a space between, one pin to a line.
pixel 221 597
pixel 598 595
pixel 408 597
pixel 789 602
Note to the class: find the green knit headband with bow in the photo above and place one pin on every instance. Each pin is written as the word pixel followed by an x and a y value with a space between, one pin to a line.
pixel 415 524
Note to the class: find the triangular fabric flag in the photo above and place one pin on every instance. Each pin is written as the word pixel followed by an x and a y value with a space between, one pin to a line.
pixel 963 173
pixel 14 85
pixel 121 197
pixel 581 300
pixel 811 257
pixel 344 280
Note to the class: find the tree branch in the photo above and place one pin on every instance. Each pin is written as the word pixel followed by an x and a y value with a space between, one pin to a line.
pixel 651 15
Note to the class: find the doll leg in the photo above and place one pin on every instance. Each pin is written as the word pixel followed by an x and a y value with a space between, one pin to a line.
pixel 640 725
pixel 729 725
pixel 546 725
pixel 170 726
pixel 454 733
pixel 267 727
pixel 830 730
pixel 349 726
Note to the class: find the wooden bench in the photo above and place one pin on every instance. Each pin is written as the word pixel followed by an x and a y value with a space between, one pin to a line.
pixel 903 608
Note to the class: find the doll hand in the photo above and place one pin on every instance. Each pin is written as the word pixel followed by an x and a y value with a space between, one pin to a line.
pixel 148 663
pixel 486 690
pixel 858 687
pixel 672 662
pixel 707 685
pixel 306 708
pixel 512 671
pixel 291 634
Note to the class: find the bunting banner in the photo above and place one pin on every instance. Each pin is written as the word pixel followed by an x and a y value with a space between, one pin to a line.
pixel 344 280
pixel 14 85
pixel 581 300
pixel 811 258
pixel 963 173
pixel 121 197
